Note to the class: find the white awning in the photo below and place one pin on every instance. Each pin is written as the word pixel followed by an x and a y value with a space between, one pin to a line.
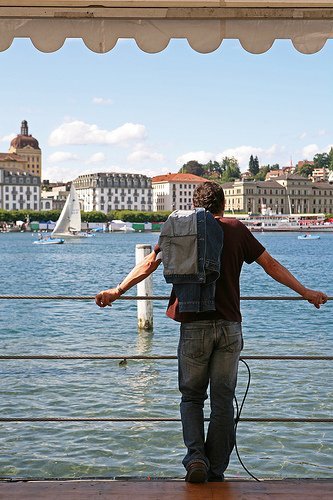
pixel 152 23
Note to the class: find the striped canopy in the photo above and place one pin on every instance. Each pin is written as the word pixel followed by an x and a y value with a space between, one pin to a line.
pixel 152 23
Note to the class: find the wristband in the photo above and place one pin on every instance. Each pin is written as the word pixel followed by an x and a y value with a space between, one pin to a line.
pixel 120 290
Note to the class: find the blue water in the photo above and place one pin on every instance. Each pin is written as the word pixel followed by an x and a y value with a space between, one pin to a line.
pixel 149 388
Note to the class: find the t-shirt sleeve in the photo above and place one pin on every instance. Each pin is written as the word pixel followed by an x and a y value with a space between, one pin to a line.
pixel 158 252
pixel 252 247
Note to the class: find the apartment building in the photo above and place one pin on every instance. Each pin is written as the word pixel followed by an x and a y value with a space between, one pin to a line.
pixel 19 190
pixel 283 195
pixel 174 191
pixel 114 191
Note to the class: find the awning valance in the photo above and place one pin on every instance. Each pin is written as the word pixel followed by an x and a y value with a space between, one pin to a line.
pixel 152 23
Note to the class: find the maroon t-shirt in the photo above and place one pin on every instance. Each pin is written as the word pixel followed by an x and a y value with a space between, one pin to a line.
pixel 239 246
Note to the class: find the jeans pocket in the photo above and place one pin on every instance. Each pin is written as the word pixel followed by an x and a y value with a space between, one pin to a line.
pixel 233 338
pixel 191 343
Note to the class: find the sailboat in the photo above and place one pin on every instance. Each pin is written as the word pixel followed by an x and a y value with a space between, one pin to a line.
pixel 69 222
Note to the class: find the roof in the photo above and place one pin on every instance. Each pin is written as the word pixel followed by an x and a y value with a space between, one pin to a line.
pixel 292 177
pixel 21 141
pixel 11 157
pixel 322 185
pixel 178 178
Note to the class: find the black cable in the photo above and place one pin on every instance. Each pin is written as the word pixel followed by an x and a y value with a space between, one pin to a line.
pixel 238 414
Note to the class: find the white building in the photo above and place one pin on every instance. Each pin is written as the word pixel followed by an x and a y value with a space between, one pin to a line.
pixel 174 191
pixel 19 190
pixel 114 191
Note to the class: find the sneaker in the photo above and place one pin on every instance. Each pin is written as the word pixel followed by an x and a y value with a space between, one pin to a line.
pixel 196 473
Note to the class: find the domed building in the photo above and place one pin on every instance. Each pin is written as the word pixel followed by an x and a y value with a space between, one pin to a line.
pixel 27 147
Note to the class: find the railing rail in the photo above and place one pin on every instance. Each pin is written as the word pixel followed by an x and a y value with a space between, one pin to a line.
pixel 142 357
pixel 133 297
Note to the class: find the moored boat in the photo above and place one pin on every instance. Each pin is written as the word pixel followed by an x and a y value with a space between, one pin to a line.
pixel 309 237
pixel 49 241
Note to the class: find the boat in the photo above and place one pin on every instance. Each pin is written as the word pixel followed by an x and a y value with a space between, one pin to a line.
pixel 69 222
pixel 48 240
pixel 308 237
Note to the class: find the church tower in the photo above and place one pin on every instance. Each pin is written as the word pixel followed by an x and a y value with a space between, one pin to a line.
pixel 28 148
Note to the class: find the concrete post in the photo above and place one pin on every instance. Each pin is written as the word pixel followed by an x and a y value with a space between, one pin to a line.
pixel 145 288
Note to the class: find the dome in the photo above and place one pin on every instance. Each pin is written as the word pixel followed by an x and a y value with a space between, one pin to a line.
pixel 21 141
pixel 24 139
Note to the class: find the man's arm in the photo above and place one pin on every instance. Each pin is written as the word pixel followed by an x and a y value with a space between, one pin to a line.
pixel 278 272
pixel 137 274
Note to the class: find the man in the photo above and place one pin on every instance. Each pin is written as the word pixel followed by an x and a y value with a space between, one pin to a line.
pixel 210 342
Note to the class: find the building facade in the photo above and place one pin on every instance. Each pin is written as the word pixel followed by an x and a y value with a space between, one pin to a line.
pixel 114 191
pixel 174 191
pixel 287 194
pixel 27 148
pixel 19 190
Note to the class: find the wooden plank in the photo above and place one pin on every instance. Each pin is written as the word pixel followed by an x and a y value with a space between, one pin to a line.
pixel 167 3
pixel 293 489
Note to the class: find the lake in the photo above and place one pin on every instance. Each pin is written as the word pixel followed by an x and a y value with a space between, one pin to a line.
pixel 148 388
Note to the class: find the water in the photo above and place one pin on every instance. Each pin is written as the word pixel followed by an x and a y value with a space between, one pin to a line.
pixel 149 388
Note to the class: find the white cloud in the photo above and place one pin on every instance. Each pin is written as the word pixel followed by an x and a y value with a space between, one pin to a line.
pixel 96 158
pixel 309 151
pixel 102 101
pixel 302 135
pixel 56 173
pixel 61 156
pixel 322 132
pixel 79 132
pixel 7 138
pixel 200 156
pixel 243 153
pixel 141 155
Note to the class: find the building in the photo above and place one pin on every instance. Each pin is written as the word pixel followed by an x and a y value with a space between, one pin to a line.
pixel 114 191
pixel 55 197
pixel 174 191
pixel 286 194
pixel 12 161
pixel 320 174
pixel 27 147
pixel 19 190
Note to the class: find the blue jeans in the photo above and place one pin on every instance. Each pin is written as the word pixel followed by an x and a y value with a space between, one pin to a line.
pixel 208 353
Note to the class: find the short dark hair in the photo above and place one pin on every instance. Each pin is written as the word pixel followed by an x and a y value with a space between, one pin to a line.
pixel 209 195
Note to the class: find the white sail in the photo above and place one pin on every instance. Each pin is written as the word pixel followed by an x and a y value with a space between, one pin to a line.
pixel 69 222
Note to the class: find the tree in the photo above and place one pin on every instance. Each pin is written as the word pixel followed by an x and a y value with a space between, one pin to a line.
pixel 306 169
pixel 330 155
pixel 231 170
pixel 192 167
pixel 321 160
pixel 263 171
pixel 254 165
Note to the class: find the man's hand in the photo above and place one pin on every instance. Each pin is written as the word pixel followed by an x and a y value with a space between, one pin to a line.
pixel 315 297
pixel 106 297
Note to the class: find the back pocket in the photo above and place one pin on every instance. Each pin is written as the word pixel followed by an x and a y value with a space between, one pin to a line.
pixel 191 343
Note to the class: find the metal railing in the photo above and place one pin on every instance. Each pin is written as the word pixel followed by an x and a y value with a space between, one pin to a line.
pixel 125 358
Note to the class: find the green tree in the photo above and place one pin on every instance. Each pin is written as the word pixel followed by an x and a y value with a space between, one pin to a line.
pixel 263 171
pixel 93 216
pixel 306 169
pixel 321 160
pixel 231 170
pixel 330 156
pixel 192 167
pixel 254 165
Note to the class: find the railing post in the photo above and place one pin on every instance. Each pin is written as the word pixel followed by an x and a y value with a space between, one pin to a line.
pixel 145 288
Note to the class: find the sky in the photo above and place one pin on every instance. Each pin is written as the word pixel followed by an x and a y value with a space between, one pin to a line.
pixel 129 111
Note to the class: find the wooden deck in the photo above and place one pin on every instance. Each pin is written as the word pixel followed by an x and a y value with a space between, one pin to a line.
pixel 293 489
